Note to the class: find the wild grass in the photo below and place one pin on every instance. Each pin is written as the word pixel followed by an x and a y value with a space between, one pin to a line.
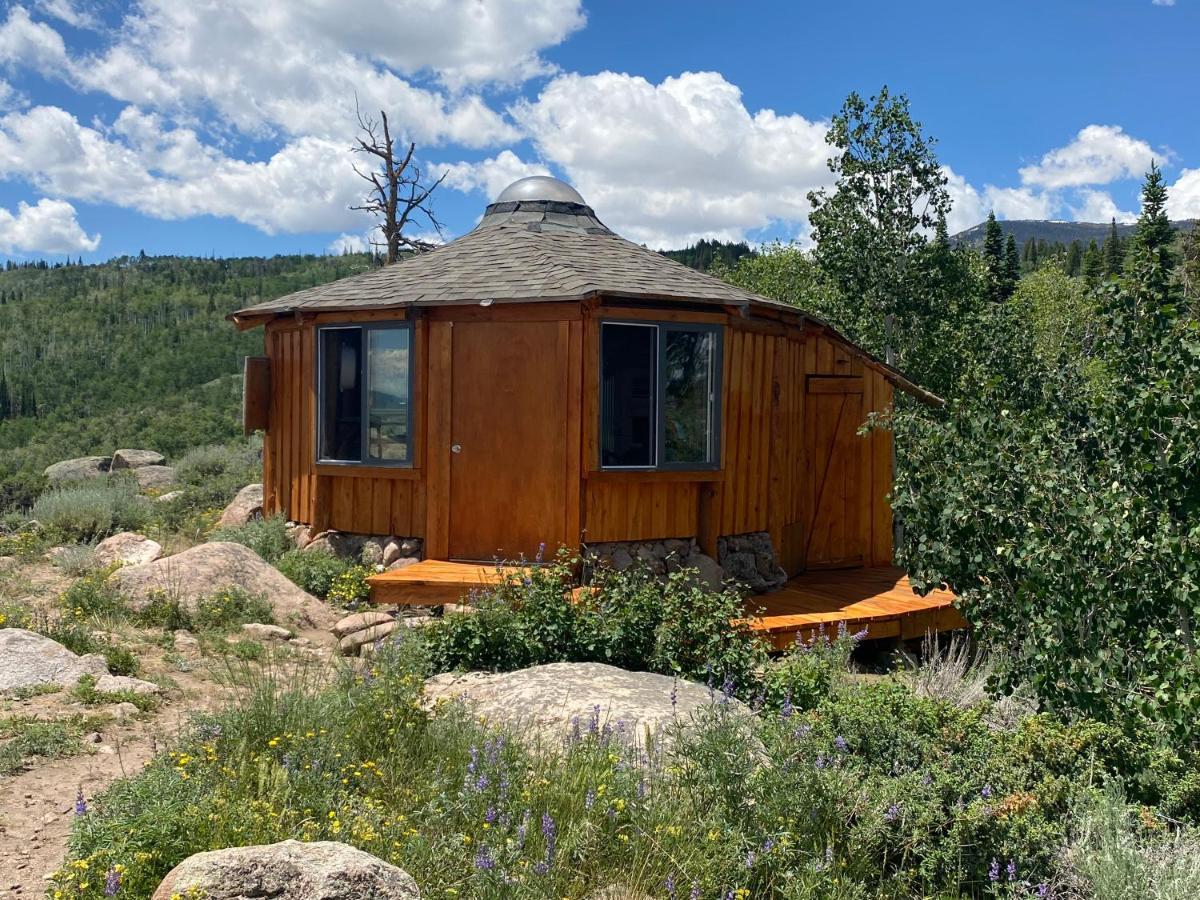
pixel 25 738
pixel 266 537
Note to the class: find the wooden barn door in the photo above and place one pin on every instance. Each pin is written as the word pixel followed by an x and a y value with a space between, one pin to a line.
pixel 508 438
pixel 837 496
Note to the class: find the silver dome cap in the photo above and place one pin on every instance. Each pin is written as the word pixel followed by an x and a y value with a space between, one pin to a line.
pixel 540 187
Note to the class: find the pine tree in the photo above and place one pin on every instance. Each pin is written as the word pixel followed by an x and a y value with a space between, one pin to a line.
pixel 5 405
pixel 1112 251
pixel 1093 265
pixel 1190 268
pixel 1012 266
pixel 1074 259
pixel 1154 230
pixel 993 257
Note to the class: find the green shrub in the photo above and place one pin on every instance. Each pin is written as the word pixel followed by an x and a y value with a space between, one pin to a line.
pixel 22 738
pixel 93 595
pixel 120 661
pixel 312 570
pixel 210 476
pixel 349 588
pixel 91 509
pixel 247 650
pixel 75 559
pixel 23 543
pixel 86 692
pixel 266 537
pixel 222 610
pixel 809 671
pixel 630 619
pixel 14 615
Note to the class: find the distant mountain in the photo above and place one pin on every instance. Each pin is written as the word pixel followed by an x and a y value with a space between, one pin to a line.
pixel 1053 232
pixel 704 253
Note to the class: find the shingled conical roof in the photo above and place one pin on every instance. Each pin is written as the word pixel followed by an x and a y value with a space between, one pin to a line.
pixel 536 243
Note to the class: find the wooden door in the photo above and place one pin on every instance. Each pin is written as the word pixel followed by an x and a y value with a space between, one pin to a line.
pixel 836 498
pixel 508 434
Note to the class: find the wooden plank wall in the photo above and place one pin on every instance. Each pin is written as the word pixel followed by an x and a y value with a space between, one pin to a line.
pixel 361 500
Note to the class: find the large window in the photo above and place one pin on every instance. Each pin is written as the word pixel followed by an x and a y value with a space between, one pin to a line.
pixel 364 387
pixel 659 395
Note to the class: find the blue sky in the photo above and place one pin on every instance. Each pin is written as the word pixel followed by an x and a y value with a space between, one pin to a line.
pixel 222 126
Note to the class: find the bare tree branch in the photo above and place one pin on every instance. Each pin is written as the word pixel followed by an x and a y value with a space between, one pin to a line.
pixel 398 192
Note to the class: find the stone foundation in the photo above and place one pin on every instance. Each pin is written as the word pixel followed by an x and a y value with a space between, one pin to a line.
pixel 391 552
pixel 750 559
pixel 661 557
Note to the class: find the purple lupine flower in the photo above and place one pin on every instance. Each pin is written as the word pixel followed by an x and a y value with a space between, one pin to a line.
pixel 768 845
pixel 695 895
pixel 589 799
pixel 892 814
pixel 474 763
pixel 820 761
pixel 550 833
pixel 81 806
pixel 541 552
pixel 859 636
pixel 481 783
pixel 641 789
pixel 926 780
pixel 484 860
pixel 786 710
pixel 670 886
pixel 674 693
pixel 112 883
pixel 840 743
pixel 1011 870
pixel 751 856
pixel 986 792
pixel 802 731
pixel 994 871
pixel 1043 890
pixel 490 815
pixel 523 830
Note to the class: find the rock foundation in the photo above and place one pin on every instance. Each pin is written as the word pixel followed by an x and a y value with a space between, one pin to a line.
pixel 750 559
pixel 391 552
pixel 747 559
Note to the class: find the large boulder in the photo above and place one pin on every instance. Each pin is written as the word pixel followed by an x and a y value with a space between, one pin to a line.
pixel 203 570
pixel 289 870
pixel 77 469
pixel 127 548
pixel 28 659
pixel 548 703
pixel 247 505
pixel 154 476
pixel 135 459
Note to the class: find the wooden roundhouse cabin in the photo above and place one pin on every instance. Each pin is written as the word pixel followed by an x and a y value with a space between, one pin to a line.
pixel 543 380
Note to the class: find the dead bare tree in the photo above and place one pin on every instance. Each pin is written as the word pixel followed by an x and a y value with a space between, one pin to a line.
pixel 398 191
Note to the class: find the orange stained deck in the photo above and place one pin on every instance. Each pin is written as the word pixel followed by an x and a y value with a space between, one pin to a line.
pixel 433 582
pixel 878 598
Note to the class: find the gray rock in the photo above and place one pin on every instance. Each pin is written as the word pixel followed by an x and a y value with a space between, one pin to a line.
pixel 411 547
pixel 290 870
pixel 135 459
pixel 168 496
pixel 618 892
pixel 127 548
pixel 154 476
pixel 185 641
pixel 7 563
pixel 457 609
pixel 371 553
pixel 709 573
pixel 78 468
pixel 621 560
pixel 350 643
pixel 302 535
pixel 340 544
pixel 544 703
pixel 261 632
pixel 202 570
pixel 391 552
pixel 125 711
pixel 359 621
pixel 247 505
pixel 28 659
pixel 403 563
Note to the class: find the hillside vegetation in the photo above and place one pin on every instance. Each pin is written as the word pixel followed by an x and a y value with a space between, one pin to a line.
pixel 133 352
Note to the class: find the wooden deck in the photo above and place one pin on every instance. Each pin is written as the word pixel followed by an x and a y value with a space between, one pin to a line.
pixel 433 582
pixel 878 598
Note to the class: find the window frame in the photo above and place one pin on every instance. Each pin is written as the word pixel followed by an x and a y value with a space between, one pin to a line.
pixel 364 328
pixel 716 386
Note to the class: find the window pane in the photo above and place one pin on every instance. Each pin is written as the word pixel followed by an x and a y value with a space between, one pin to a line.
pixel 341 394
pixel 687 396
pixel 388 399
pixel 628 367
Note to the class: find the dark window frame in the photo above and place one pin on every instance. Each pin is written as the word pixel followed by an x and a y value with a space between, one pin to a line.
pixel 365 459
pixel 664 328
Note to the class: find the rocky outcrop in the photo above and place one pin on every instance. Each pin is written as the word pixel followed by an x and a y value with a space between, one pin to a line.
pixel 247 505
pixel 154 477
pixel 258 631
pixel 749 559
pixel 135 459
pixel 203 570
pixel 28 659
pixel 127 548
pixel 290 870
pixel 548 703
pixel 77 469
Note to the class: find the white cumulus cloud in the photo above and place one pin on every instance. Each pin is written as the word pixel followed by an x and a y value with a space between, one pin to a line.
pixel 666 164
pixel 49 226
pixel 1099 206
pixel 489 176
pixel 1099 154
pixel 1183 197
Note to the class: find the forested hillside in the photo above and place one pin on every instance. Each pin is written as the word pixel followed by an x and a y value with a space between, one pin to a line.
pixel 134 352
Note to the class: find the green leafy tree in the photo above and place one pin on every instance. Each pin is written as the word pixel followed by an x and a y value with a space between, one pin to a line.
pixel 869 230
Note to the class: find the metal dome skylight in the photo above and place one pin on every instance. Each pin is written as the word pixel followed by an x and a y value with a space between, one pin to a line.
pixel 540 187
